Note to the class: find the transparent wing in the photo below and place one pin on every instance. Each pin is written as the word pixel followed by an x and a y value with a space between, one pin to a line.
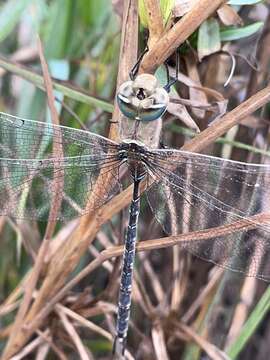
pixel 31 176
pixel 195 192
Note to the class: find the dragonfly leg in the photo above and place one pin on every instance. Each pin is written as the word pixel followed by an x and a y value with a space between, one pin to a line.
pixel 134 71
pixel 170 82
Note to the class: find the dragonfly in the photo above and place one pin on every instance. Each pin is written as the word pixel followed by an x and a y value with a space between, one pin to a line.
pixel 186 191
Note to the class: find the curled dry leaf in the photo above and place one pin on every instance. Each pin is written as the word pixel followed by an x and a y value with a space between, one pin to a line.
pixel 217 107
pixel 194 93
pixel 179 110
pixel 201 98
pixel 229 16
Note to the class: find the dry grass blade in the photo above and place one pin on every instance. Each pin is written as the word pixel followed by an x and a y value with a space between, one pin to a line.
pixel 5 332
pixel 73 335
pixel 140 295
pixel 214 106
pixel 86 323
pixel 57 147
pixel 7 308
pixel 229 16
pixel 209 287
pixel 153 279
pixel 55 206
pixel 245 224
pixel 241 312
pixel 159 342
pixel 259 76
pixel 46 336
pixel 29 348
pixel 147 246
pixel 42 351
pixel 211 350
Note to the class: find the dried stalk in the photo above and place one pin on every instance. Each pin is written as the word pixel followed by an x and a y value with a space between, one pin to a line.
pixel 155 21
pixel 70 329
pixel 211 350
pixel 148 245
pixel 176 36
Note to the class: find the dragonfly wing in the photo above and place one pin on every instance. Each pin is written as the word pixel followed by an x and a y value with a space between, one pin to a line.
pixel 32 176
pixel 193 192
pixel 28 139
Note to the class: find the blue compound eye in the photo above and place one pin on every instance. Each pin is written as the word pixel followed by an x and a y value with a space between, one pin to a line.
pixel 150 113
pixel 125 106
pixel 140 100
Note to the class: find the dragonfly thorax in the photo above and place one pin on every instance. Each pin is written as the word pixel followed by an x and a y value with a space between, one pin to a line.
pixel 132 150
pixel 134 154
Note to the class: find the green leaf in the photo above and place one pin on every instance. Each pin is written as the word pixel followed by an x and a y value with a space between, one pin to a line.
pixel 232 33
pixel 243 2
pixel 10 14
pixel 251 324
pixel 61 19
pixel 208 38
pixel 166 9
pixel 142 14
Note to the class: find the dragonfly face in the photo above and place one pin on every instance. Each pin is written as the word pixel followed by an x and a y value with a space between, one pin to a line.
pixel 142 99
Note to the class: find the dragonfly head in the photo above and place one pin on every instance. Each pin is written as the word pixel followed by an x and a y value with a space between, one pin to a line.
pixel 143 98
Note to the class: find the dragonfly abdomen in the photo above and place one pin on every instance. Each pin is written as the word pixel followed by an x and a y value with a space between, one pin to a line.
pixel 124 301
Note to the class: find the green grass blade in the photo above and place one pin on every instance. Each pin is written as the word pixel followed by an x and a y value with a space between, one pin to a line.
pixel 10 14
pixel 37 80
pixel 251 325
pixel 233 33
pixel 244 2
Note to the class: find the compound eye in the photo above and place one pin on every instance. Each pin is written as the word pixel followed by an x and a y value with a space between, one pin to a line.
pixel 152 113
pixel 148 113
pixel 124 99
pixel 126 107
